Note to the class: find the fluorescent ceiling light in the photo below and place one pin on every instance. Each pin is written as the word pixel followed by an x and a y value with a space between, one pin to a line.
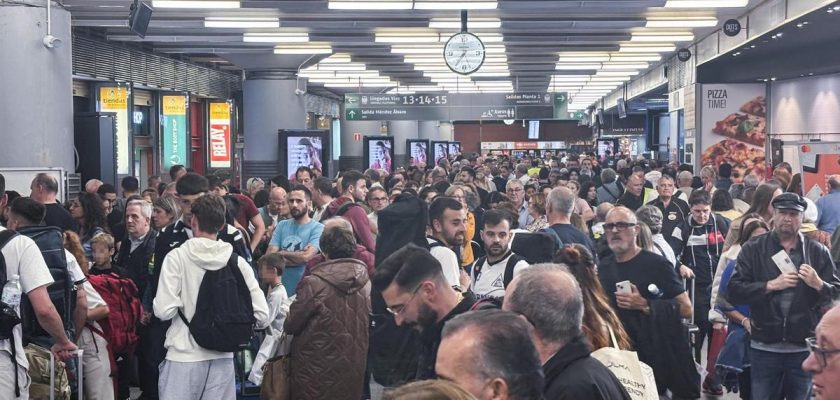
pixel 241 22
pixel 583 59
pixel 454 5
pixel 635 48
pixel 435 49
pixel 624 66
pixel 428 37
pixel 700 22
pixel 660 37
pixel 363 84
pixel 577 66
pixel 311 48
pixel 617 73
pixel 208 4
pixel 370 5
pixel 275 37
pixel 705 3
pixel 481 73
pixel 635 57
pixel 340 67
pixel 338 58
pixel 472 23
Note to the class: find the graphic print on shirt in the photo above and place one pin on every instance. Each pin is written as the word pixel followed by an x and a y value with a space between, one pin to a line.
pixel 292 243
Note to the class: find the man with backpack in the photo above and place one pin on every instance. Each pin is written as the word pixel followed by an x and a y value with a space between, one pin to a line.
pixel 212 318
pixel 447 223
pixel 353 188
pixel 21 258
pixel 490 274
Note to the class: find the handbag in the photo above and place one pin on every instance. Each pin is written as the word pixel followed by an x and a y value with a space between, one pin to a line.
pixel 277 372
pixel 636 376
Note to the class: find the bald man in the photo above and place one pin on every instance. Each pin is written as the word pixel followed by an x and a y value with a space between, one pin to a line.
pixel 277 209
pixel 92 185
pixel 824 363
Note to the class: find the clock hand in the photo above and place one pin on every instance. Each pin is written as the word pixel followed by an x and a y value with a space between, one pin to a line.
pixel 464 54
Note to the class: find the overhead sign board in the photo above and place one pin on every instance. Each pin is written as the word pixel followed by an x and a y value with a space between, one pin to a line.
pixel 455 107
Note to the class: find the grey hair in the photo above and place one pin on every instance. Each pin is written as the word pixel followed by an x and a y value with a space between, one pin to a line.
pixel 608 175
pixel 685 176
pixel 708 171
pixel 650 216
pixel 737 190
pixel 343 222
pixel 557 315
pixel 751 181
pixel 602 210
pixel 665 177
pixel 645 239
pixel 145 207
pixel 561 200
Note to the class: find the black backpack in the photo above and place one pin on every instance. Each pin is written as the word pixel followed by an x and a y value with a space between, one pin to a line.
pixel 224 315
pixel 509 267
pixel 8 316
pixel 50 241
pixel 536 247
pixel 393 350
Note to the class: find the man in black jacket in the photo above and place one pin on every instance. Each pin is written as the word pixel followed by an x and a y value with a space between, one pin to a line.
pixel 786 278
pixel 418 295
pixel 551 299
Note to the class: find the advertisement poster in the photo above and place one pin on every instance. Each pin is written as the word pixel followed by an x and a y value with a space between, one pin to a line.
pixel 174 142
pixel 454 149
pixel 734 127
pixel 606 145
pixel 441 151
pixel 379 154
pixel 115 100
pixel 419 153
pixel 818 160
pixel 303 151
pixel 220 153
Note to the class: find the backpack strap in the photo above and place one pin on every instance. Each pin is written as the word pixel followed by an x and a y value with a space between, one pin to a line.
pixel 345 207
pixel 477 266
pixel 5 237
pixel 511 265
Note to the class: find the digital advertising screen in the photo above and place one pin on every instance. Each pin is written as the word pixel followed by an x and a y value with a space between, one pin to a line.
pixel 379 152
pixel 418 152
pixel 304 149
pixel 454 149
pixel 440 150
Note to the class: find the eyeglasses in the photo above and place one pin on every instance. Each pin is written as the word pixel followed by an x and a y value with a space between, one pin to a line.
pixel 819 353
pixel 515 190
pixel 620 226
pixel 399 308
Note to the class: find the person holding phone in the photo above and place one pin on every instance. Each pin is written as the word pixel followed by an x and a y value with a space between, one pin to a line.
pixel 786 279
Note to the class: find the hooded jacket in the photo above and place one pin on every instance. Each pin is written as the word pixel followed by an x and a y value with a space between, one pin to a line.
pixel 180 280
pixel 329 321
pixel 702 248
pixel 358 219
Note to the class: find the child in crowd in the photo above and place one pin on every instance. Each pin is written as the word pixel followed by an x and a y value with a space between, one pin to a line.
pixel 271 270
pixel 102 249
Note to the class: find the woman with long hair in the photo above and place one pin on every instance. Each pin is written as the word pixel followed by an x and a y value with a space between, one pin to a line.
pixel 89 212
pixel 589 192
pixel 165 212
pixel 761 205
pixel 536 207
pixel 598 316
pixel 582 206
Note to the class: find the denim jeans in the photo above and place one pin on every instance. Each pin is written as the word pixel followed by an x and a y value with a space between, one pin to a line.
pixel 779 375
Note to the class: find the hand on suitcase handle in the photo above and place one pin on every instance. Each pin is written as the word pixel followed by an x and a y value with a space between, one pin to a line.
pixel 64 351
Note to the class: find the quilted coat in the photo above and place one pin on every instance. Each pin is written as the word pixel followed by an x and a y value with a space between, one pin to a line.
pixel 329 321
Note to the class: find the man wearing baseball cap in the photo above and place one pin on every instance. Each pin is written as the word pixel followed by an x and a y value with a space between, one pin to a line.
pixel 786 278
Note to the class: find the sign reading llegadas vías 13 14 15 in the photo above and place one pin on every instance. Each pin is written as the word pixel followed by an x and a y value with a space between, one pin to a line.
pixel 455 106
pixel 219 143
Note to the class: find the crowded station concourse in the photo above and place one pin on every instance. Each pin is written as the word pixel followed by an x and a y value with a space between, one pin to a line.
pixel 419 199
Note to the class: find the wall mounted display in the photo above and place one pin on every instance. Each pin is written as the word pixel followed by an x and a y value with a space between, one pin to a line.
pixel 303 148
pixel 418 151
pixel 440 150
pixel 379 152
pixel 454 149
pixel 219 134
pixel 734 127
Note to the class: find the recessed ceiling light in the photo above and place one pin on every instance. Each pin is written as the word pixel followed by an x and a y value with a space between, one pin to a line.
pixel 208 4
pixel 802 24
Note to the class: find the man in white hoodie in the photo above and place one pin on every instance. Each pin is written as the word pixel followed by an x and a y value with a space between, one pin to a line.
pixel 190 371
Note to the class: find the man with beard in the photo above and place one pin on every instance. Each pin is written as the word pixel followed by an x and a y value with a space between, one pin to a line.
pixel 490 275
pixel 296 239
pixel 447 223
pixel 418 295
pixel 786 278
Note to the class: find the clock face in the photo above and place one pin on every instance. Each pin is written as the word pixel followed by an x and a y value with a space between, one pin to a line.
pixel 464 53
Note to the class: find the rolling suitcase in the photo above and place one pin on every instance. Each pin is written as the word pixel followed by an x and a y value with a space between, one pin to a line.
pixel 692 332
pixel 79 375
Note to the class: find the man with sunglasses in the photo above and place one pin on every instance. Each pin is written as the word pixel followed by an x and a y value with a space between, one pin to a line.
pixel 786 278
pixel 823 363
pixel 417 295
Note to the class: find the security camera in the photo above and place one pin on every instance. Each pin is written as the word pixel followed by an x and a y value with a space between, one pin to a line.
pixel 52 42
pixel 300 92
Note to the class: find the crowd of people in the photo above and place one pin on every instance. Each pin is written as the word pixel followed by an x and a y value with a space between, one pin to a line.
pixel 481 277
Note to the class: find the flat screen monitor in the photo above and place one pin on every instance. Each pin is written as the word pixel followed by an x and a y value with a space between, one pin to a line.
pixel 454 149
pixel 418 152
pixel 304 148
pixel 379 152
pixel 440 150
pixel 533 129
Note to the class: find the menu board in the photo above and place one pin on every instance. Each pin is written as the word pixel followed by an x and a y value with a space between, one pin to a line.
pixel 733 127
pixel 303 151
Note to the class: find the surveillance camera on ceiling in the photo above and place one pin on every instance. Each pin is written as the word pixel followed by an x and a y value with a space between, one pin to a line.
pixel 52 42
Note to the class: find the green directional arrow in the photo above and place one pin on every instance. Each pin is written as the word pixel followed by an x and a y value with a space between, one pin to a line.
pixel 353 115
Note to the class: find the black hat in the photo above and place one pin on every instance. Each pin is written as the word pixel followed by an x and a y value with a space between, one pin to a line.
pixel 789 201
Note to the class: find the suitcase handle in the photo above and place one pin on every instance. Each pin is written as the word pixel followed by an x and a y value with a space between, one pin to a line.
pixel 691 295
pixel 79 354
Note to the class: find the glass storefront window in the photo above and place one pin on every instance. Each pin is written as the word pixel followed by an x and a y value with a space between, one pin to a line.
pixel 140 120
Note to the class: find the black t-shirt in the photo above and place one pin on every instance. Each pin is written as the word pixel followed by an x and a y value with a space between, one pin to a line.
pixel 58 216
pixel 570 234
pixel 642 270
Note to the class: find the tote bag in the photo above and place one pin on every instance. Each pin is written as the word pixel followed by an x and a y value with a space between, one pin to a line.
pixel 636 376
